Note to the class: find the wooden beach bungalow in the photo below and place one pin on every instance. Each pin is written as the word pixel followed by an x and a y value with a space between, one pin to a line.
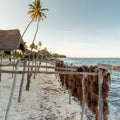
pixel 10 41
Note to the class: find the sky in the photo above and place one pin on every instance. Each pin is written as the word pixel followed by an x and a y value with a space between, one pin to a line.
pixel 76 28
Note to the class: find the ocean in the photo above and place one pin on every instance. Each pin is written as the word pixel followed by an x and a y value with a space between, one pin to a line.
pixel 114 93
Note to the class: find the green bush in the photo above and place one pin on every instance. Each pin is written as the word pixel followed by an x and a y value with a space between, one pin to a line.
pixel 18 55
pixel 4 55
pixel 56 55
pixel 33 56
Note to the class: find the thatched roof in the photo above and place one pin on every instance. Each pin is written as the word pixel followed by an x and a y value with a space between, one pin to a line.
pixel 45 53
pixel 10 40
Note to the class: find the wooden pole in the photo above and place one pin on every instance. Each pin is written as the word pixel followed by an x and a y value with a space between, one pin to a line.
pixel 1 60
pixel 32 63
pixel 69 92
pixel 46 65
pixel 35 68
pixel 57 75
pixel 28 78
pixel 12 92
pixel 0 73
pixel 0 68
pixel 70 89
pixel 55 69
pixel 21 84
pixel 100 101
pixel 13 66
pixel 64 85
pixel 83 98
pixel 39 63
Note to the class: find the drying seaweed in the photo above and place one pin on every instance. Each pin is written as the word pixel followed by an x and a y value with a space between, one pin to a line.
pixel 73 83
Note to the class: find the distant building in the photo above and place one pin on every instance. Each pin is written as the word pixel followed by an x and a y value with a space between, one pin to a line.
pixel 28 51
pixel 10 41
pixel 45 53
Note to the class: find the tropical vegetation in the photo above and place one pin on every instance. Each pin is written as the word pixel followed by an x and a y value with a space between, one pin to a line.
pixel 56 55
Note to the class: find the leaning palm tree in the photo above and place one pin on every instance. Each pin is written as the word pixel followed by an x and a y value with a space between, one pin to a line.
pixel 36 13
pixel 26 28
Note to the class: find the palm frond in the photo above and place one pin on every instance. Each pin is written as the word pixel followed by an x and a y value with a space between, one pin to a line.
pixel 43 15
pixel 30 12
pixel 34 2
pixel 31 6
pixel 44 9
pixel 36 10
pixel 38 3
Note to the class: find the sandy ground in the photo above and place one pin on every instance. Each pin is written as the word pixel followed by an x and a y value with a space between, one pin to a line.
pixel 46 100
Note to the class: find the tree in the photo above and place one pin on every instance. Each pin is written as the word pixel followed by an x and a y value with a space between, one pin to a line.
pixel 26 28
pixel 45 49
pixel 32 46
pixel 35 47
pixel 36 13
pixel 39 45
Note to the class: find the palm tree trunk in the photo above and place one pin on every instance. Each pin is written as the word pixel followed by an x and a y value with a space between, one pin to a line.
pixel 36 31
pixel 34 38
pixel 26 28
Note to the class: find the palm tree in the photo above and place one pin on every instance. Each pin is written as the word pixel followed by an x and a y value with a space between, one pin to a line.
pixel 26 28
pixel 45 49
pixel 35 47
pixel 36 13
pixel 32 46
pixel 39 45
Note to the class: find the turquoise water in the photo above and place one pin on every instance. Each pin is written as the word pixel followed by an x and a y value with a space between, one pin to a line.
pixel 114 94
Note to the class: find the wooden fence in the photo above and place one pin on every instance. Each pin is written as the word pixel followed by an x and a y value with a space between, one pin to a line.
pixel 35 69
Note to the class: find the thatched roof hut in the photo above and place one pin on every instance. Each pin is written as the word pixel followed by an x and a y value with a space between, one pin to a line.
pixel 11 40
pixel 45 53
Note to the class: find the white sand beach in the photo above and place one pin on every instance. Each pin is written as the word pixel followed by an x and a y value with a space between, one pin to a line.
pixel 46 100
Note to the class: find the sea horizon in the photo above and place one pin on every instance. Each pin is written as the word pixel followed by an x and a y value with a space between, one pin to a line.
pixel 91 57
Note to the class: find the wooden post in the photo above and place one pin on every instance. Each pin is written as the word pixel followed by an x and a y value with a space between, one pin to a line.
pixel 46 65
pixel 55 69
pixel 57 75
pixel 21 84
pixel 0 68
pixel 13 70
pixel 35 68
pixel 70 89
pixel 32 64
pixel 39 65
pixel 0 73
pixel 13 66
pixel 64 85
pixel 1 60
pixel 12 92
pixel 83 98
pixel 69 92
pixel 28 78
pixel 100 101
